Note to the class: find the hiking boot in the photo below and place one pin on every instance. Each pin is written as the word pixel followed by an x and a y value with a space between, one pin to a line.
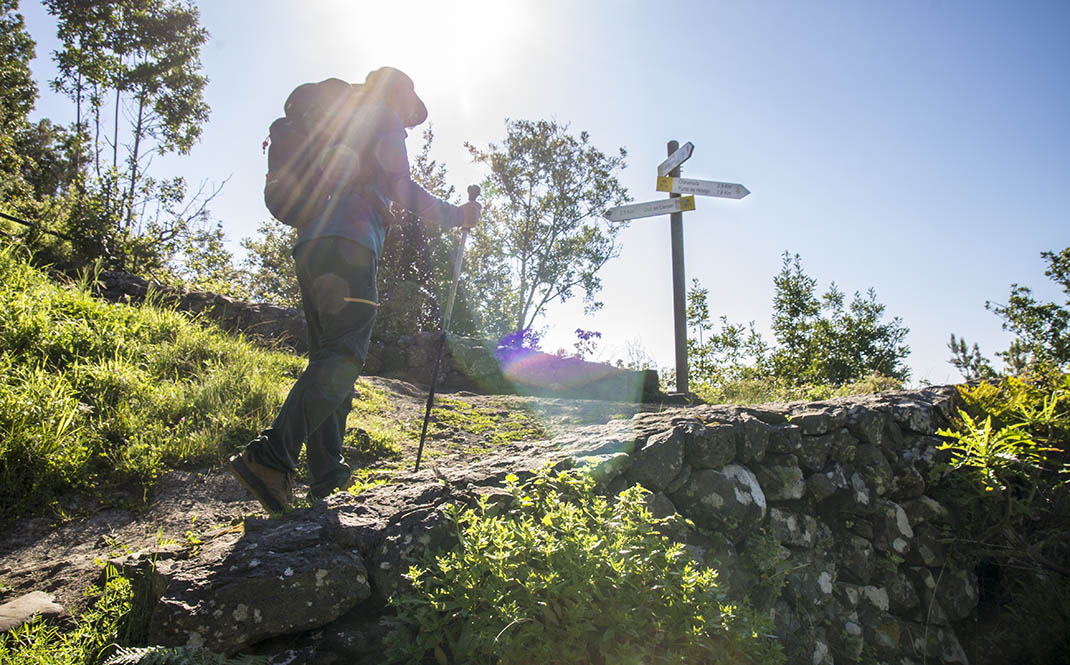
pixel 315 498
pixel 274 489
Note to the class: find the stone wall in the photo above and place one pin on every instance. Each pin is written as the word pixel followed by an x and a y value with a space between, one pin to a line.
pixel 843 486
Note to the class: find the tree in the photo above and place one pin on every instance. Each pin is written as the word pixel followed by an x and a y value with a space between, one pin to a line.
pixel 822 340
pixel 819 341
pixel 1042 330
pixel 143 56
pixel 416 266
pixel 969 361
pixel 50 155
pixel 269 273
pixel 543 235
pixel 734 353
pixel 19 91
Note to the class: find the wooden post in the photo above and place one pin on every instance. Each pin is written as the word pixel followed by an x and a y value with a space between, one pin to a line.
pixel 679 286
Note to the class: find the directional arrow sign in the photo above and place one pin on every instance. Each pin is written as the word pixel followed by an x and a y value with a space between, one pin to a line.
pixel 725 190
pixel 650 209
pixel 676 159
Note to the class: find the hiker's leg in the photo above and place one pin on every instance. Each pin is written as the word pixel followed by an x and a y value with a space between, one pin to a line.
pixel 336 275
pixel 326 464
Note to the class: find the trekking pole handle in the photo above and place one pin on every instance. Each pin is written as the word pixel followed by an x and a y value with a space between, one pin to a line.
pixel 458 261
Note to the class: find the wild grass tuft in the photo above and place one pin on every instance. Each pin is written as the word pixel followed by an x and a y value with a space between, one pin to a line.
pixel 96 397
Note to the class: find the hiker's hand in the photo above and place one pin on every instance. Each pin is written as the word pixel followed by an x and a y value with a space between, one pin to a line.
pixel 471 212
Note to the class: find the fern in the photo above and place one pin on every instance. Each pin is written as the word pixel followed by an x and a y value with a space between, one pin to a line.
pixel 177 656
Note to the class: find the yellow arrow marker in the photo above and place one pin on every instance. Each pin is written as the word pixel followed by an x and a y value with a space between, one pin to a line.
pixel 664 183
pixel 687 203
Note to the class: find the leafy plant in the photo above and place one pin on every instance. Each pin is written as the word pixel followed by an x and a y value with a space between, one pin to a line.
pixel 564 575
pixel 95 631
pixel 1008 480
pixel 995 453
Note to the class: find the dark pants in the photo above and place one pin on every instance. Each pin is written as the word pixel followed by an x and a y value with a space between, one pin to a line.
pixel 335 275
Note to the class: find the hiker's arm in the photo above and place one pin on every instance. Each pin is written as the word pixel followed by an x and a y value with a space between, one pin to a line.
pixel 394 160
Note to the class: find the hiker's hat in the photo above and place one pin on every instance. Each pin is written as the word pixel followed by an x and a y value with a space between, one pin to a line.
pixel 397 89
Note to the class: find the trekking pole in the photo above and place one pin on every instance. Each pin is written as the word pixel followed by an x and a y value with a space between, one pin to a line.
pixel 458 260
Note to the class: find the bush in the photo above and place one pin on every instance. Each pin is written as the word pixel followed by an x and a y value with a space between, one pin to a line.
pixel 1008 480
pixel 567 576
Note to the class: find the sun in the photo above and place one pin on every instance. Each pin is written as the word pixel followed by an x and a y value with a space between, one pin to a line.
pixel 442 45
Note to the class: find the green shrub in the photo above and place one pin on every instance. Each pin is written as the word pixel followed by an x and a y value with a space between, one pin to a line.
pixel 566 576
pixel 1007 478
pixel 95 397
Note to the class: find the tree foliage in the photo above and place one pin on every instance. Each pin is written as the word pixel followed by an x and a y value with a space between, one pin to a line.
pixel 819 340
pixel 138 60
pixel 543 235
pixel 1041 345
pixel 19 92
pixel 824 340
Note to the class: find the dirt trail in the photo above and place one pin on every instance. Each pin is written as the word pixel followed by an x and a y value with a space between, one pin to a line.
pixel 64 560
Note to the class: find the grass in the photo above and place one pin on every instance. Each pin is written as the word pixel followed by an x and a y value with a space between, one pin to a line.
pixel 94 634
pixel 495 425
pixel 98 399
pixel 767 390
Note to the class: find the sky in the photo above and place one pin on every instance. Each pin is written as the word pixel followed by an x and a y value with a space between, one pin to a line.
pixel 918 147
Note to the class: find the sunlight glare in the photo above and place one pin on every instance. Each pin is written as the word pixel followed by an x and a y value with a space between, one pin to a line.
pixel 442 45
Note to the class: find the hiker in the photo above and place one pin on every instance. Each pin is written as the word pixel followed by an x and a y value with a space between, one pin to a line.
pixel 336 255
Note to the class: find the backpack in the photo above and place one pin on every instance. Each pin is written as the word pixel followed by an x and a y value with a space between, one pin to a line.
pixel 316 115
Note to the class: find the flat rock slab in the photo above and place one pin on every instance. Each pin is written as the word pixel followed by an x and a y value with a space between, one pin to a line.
pixel 23 609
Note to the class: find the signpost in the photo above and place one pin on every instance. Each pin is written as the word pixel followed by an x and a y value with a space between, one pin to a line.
pixel 676 158
pixel 725 190
pixel 650 209
pixel 669 180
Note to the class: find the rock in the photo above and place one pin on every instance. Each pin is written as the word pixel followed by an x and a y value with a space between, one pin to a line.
pixel 226 598
pixel 781 478
pixel 867 424
pixel 679 481
pixel 412 533
pixel 607 468
pixel 925 510
pixel 812 578
pixel 815 420
pixel 842 446
pixel 659 461
pixel 926 550
pixel 892 530
pixel 907 483
pixel 875 469
pixel 752 439
pixel 823 485
pixel 856 559
pixel 785 439
pixel 857 499
pixel 916 416
pixel 814 451
pixel 933 643
pixel 791 528
pixel 902 596
pixel 26 608
pixel 710 446
pixel 957 591
pixel 660 506
pixel 616 436
pixel 730 499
